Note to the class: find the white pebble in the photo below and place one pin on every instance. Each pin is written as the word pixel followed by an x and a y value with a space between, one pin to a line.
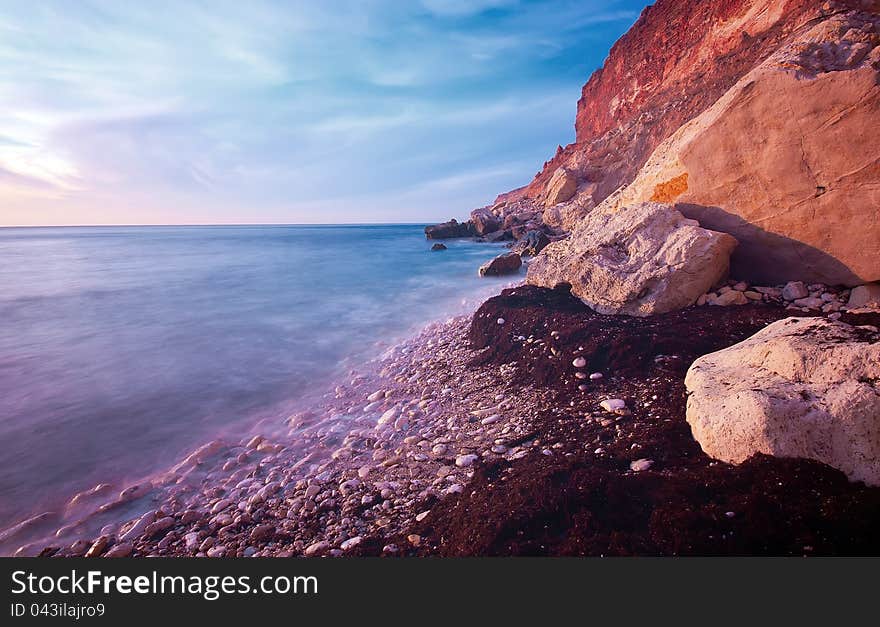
pixel 387 417
pixel 640 465
pixel 613 404
pixel 463 461
pixel 317 547
pixel 580 362
pixel 501 320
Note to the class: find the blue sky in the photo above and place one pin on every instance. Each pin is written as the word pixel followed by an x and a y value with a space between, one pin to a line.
pixel 296 111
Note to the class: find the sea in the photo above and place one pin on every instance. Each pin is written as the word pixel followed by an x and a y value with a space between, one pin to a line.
pixel 123 348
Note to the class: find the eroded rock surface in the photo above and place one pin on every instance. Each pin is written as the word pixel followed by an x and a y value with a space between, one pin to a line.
pixel 642 260
pixel 802 387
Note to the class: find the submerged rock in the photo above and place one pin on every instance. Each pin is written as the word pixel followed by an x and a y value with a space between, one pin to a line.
pixel 438 246
pixel 451 229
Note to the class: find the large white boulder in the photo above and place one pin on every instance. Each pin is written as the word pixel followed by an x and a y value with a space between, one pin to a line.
pixel 802 387
pixel 640 260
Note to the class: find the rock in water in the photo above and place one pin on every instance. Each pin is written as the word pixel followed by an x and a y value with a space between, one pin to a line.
pixel 507 263
pixel 438 246
pixel 641 260
pixel 802 387
pixel 560 188
pixel 448 230
pixel 485 221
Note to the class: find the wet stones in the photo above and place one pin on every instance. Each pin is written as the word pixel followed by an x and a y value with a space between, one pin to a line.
pixel 466 460
pixel 317 548
pixel 123 549
pixel 97 548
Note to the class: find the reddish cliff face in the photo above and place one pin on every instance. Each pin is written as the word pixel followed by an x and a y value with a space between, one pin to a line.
pixel 675 62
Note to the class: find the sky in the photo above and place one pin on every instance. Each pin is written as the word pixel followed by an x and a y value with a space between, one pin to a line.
pixel 293 111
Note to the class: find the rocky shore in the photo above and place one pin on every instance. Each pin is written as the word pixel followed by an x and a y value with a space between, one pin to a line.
pixel 535 427
pixel 631 398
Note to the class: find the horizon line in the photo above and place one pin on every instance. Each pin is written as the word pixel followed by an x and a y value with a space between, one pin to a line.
pixel 214 224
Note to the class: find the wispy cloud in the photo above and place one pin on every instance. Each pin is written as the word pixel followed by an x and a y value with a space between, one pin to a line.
pixel 266 110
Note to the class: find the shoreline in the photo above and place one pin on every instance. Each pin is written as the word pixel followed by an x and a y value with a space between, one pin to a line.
pixel 305 443
pixel 433 451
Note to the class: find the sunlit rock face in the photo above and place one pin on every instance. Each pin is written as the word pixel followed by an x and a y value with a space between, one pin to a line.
pixel 786 160
pixel 765 110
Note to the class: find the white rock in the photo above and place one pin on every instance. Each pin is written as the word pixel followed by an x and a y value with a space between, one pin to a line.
pixel 640 464
pixel 868 294
pixel 387 417
pixel 464 461
pixel 640 260
pixel 316 548
pixel 220 505
pixel 580 362
pixel 139 527
pixel 501 321
pixel 794 290
pixel 350 543
pixel 801 387
pixel 596 375
pixel 613 404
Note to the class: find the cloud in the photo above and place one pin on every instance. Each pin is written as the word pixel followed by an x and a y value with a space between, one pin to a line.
pixel 230 111
pixel 459 8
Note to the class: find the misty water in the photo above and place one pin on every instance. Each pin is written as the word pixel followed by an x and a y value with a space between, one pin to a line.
pixel 121 348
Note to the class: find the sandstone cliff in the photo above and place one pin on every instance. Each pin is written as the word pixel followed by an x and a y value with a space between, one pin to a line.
pixel 757 117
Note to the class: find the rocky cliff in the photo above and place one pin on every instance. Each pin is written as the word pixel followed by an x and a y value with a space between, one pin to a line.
pixel 756 117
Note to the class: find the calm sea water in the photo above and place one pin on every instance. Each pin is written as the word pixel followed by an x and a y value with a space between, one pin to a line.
pixel 121 348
